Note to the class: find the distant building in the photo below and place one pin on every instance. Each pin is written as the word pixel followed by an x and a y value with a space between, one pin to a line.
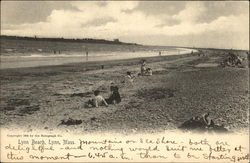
pixel 116 40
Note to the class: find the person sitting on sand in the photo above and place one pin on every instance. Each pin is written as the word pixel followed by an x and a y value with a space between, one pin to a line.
pixel 115 97
pixel 149 72
pixel 203 123
pixel 130 77
pixel 206 120
pixel 97 100
pixel 198 122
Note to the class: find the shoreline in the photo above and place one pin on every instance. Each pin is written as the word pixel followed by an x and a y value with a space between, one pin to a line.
pixel 93 65
pixel 50 60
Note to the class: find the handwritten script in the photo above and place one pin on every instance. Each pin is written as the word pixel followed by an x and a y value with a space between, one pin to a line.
pixel 42 147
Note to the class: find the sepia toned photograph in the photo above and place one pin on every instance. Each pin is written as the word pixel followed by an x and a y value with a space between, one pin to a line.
pixel 125 67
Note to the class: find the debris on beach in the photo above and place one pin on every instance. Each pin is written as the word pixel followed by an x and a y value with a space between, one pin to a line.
pixel 93 118
pixel 202 123
pixel 18 102
pixel 29 110
pixel 74 94
pixel 7 108
pixel 70 121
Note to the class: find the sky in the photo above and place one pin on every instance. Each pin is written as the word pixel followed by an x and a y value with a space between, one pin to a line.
pixel 213 24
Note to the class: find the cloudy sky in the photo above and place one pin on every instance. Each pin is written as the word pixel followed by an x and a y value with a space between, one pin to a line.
pixel 215 24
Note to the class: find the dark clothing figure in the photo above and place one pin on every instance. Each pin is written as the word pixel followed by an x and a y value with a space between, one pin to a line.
pixel 192 123
pixel 115 97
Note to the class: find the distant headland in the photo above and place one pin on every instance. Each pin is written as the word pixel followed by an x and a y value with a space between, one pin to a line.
pixel 77 40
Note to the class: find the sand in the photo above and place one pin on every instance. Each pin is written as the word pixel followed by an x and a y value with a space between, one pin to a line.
pixel 181 87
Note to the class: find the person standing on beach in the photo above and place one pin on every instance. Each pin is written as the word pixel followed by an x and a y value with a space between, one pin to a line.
pixel 143 67
pixel 87 55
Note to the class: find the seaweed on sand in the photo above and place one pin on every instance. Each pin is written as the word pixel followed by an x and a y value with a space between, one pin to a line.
pixel 70 121
pixel 29 110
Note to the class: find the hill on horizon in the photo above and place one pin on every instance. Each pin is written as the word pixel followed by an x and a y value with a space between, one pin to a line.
pixel 26 45
pixel 15 45
pixel 83 40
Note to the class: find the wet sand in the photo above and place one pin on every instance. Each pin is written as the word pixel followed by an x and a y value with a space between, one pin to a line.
pixel 40 97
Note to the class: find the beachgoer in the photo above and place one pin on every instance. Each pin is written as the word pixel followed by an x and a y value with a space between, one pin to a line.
pixel 203 123
pixel 238 60
pixel 198 122
pixel 130 77
pixel 143 67
pixel 207 121
pixel 149 72
pixel 97 100
pixel 115 97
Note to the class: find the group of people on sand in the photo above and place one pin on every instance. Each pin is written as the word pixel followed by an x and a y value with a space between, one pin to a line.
pixel 145 71
pixel 114 97
pixel 233 60
pixel 202 123
pixel 98 99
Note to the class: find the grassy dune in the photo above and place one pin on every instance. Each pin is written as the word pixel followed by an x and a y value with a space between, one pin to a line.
pixel 25 47
pixel 178 90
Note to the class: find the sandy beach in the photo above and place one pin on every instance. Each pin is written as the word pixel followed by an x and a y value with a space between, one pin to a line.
pixel 124 81
pixel 182 86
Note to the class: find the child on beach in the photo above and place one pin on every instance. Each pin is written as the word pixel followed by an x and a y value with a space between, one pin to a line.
pixel 97 100
pixel 149 72
pixel 130 77
pixel 115 97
